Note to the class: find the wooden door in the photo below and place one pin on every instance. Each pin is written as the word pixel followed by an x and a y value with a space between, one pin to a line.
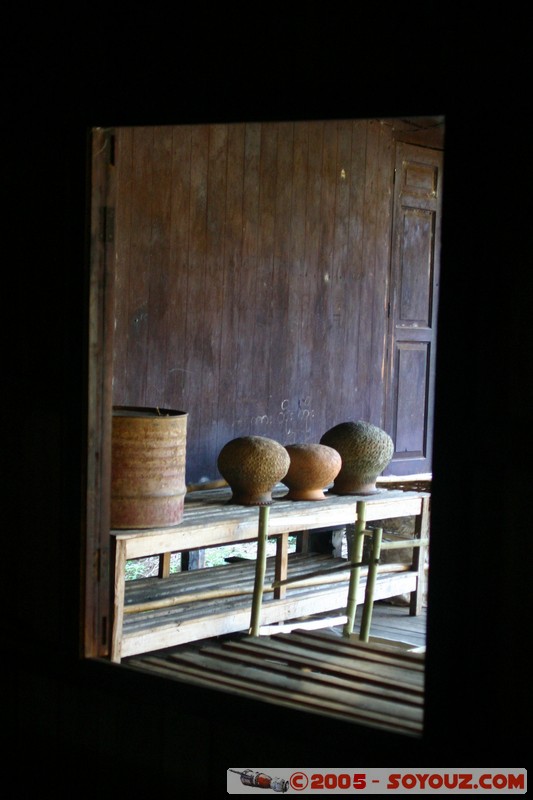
pixel 415 255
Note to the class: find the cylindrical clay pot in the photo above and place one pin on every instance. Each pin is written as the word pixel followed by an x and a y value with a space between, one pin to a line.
pixel 147 467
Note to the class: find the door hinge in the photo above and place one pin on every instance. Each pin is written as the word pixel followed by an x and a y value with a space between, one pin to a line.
pixel 107 224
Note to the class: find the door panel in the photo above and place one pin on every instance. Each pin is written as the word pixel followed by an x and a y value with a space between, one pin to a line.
pixel 415 255
pixel 412 368
pixel 416 268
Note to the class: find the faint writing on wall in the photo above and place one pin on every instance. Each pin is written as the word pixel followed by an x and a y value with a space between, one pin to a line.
pixel 290 423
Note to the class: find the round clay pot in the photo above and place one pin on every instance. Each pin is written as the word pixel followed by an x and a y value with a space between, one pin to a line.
pixel 252 465
pixel 312 469
pixel 365 451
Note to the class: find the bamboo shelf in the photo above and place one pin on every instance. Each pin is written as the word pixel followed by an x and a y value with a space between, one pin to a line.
pixel 157 613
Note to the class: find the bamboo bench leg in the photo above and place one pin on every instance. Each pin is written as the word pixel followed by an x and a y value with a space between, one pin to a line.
pixel 281 565
pixel 419 558
pixel 260 570
pixel 163 570
pixel 356 557
pixel 368 606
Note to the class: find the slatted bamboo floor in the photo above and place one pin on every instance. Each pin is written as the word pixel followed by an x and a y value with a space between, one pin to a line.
pixel 379 684
pixel 393 622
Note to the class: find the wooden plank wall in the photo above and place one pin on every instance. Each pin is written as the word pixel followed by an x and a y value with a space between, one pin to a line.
pixel 252 269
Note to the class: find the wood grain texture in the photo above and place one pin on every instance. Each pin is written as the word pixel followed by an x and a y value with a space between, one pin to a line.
pixel 252 266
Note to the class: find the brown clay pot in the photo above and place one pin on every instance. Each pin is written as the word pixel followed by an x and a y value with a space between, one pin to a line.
pixel 252 466
pixel 365 451
pixel 312 469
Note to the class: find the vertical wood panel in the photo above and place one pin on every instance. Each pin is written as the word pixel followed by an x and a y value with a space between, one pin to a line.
pixel 161 291
pixel 177 278
pixel 263 318
pixel 351 390
pixel 338 287
pixel 380 288
pixel 227 392
pixel 364 341
pixel 312 329
pixel 212 312
pixel 123 213
pixel 247 289
pixel 140 264
pixel 324 369
pixel 281 400
pixel 197 324
pixel 299 293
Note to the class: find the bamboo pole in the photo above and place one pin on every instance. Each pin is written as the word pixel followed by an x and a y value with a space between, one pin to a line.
pixel 337 574
pixel 191 597
pixel 403 544
pixel 356 556
pixel 316 574
pixel 260 569
pixel 364 630
pixel 318 578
